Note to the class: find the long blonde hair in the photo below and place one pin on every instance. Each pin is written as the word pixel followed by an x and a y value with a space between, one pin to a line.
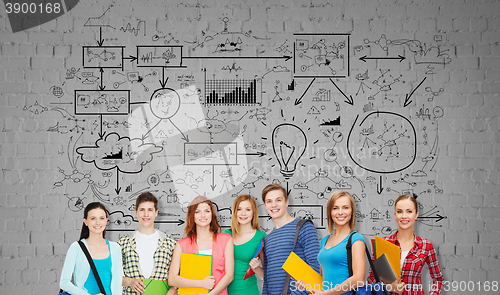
pixel 234 219
pixel 329 206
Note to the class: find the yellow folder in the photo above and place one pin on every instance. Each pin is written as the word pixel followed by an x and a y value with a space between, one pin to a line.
pixel 299 270
pixel 195 267
pixel 391 251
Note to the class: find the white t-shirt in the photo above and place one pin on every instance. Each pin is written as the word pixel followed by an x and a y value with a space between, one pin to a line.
pixel 146 247
pixel 403 257
pixel 205 252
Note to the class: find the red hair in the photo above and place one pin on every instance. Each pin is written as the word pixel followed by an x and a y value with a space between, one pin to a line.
pixel 190 229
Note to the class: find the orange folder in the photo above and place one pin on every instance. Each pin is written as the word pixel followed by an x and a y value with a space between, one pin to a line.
pixel 391 251
pixel 299 270
pixel 195 267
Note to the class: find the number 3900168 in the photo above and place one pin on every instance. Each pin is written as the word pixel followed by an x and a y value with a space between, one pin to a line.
pixel 32 8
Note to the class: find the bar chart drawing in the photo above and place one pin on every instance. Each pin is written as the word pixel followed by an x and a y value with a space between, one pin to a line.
pixel 236 92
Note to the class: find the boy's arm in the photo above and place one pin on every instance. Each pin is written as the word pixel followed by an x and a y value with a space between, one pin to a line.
pixel 308 238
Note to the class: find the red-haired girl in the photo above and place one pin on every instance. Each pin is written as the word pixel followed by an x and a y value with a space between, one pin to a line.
pixel 204 237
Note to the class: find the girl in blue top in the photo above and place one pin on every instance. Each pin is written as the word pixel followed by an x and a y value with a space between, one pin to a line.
pixel 106 256
pixel 332 257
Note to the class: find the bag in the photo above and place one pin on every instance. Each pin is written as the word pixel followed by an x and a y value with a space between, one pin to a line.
pixel 370 289
pixel 92 265
pixel 94 270
pixel 299 225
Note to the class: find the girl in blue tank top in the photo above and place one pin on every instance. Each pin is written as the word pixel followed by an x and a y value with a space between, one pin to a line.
pixel 340 212
pixel 106 257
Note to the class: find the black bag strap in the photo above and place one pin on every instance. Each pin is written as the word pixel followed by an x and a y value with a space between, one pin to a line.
pixel 299 226
pixel 349 263
pixel 92 265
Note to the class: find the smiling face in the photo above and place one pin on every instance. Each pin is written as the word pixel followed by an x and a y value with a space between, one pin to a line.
pixel 96 221
pixel 203 215
pixel 405 214
pixel 244 213
pixel 341 211
pixel 276 204
pixel 146 213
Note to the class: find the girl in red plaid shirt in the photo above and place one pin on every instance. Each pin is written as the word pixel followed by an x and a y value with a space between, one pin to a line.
pixel 415 252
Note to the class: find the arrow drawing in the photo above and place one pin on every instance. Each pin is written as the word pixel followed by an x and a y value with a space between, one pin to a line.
pixel 299 101
pixel 183 136
pixel 101 134
pixel 349 100
pixel 213 185
pixel 285 57
pixel 118 188
pixel 101 87
pixel 407 99
pixel 400 57
pixel 260 154
pixel 380 188
pixel 100 37
pixel 163 82
pixel 132 58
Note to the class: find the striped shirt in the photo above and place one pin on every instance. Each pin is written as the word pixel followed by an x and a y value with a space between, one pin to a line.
pixel 278 245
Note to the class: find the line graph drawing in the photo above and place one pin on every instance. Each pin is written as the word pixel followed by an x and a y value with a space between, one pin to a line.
pixel 103 20
pixel 140 26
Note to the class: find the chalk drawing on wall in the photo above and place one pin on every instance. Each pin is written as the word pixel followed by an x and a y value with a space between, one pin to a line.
pixel 321 55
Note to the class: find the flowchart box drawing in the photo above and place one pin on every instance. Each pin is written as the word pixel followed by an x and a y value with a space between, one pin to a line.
pixel 206 153
pixel 102 102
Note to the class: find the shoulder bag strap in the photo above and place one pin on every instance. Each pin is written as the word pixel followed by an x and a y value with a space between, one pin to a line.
pixel 287 279
pixel 92 265
pixel 349 261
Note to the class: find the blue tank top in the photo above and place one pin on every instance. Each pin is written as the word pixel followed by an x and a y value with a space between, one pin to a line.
pixel 103 267
pixel 334 261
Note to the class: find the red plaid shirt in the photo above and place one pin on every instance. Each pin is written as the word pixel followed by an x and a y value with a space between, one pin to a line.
pixel 411 271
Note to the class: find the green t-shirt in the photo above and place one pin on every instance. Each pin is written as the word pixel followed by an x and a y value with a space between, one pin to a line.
pixel 242 255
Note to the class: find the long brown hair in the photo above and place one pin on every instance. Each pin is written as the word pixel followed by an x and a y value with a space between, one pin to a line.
pixel 84 233
pixel 190 229
pixel 234 219
pixel 329 206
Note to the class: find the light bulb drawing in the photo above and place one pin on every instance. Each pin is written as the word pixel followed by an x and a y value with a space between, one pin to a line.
pixel 289 144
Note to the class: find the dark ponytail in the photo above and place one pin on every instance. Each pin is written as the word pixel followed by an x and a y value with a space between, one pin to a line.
pixel 85 229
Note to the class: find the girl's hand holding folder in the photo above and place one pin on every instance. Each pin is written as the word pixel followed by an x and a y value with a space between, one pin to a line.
pixel 208 283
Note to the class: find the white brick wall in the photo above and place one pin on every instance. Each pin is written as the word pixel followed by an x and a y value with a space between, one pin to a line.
pixel 37 226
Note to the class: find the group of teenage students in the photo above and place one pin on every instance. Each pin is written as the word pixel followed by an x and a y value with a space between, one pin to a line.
pixel 149 253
